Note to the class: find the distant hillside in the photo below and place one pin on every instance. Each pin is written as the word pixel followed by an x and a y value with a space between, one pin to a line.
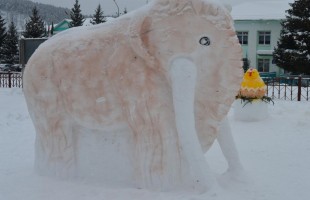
pixel 19 11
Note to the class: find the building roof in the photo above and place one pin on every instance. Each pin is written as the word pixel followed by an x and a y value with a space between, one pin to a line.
pixel 87 22
pixel 261 10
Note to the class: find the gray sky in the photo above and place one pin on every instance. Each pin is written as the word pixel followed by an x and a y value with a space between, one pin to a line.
pixel 109 7
pixel 89 6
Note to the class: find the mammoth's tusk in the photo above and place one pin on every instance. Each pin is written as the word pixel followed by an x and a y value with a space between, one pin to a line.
pixel 183 76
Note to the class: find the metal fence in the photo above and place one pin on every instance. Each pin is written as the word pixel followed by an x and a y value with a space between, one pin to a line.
pixel 11 79
pixel 288 88
pixel 284 88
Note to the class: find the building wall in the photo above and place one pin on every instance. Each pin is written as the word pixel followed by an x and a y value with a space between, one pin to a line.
pixel 253 51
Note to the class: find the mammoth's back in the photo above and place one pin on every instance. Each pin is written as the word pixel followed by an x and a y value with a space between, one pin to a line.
pixel 75 68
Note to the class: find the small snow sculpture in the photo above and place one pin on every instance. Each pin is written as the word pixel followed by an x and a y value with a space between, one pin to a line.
pixel 136 101
pixel 251 102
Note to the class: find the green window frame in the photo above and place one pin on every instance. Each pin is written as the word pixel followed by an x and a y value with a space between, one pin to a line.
pixel 263 64
pixel 264 37
pixel 243 37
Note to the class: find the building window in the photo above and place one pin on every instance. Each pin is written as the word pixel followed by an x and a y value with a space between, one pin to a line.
pixel 263 65
pixel 243 37
pixel 264 37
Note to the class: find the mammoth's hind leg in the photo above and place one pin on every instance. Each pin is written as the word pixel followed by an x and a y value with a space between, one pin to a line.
pixel 54 145
pixel 54 148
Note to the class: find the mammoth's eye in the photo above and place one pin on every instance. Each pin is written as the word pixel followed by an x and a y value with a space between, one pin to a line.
pixel 205 41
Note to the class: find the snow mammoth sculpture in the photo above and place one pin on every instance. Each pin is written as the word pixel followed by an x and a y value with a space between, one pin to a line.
pixel 150 88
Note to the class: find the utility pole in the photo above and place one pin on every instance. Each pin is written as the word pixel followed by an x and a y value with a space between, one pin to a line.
pixel 117 8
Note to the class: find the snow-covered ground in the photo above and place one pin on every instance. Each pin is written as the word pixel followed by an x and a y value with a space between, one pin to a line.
pixel 275 153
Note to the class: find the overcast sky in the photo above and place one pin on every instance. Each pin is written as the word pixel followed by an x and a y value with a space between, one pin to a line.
pixel 109 7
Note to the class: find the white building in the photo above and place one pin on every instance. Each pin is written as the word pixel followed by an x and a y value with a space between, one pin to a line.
pixel 258 26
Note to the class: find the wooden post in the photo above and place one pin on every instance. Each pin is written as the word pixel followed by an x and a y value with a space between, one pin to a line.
pixel 22 52
pixel 267 84
pixel 299 89
pixel 10 79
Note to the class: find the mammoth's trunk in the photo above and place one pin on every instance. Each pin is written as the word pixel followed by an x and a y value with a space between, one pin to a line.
pixel 183 76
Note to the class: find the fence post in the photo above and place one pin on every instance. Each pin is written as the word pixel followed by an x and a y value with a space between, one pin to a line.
pixel 299 89
pixel 10 85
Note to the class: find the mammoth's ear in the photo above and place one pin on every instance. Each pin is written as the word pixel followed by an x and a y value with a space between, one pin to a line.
pixel 140 27
pixel 180 5
pixel 197 5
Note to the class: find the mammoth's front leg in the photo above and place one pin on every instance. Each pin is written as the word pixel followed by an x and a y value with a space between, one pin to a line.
pixel 166 152
pixel 157 159
pixel 183 76
pixel 230 152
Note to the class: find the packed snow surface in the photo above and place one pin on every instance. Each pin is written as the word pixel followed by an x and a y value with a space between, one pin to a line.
pixel 275 154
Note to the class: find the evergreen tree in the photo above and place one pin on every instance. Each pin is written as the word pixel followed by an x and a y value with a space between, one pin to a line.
pixel 10 45
pixel 35 26
pixel 76 15
pixel 292 52
pixel 2 35
pixel 98 16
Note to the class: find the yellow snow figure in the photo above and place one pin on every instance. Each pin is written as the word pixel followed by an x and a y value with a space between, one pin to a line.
pixel 252 85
